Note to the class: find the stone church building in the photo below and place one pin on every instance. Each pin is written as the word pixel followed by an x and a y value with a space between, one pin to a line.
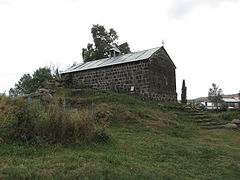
pixel 150 73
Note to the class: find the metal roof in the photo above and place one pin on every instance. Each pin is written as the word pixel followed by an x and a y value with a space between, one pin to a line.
pixel 231 100
pixel 126 58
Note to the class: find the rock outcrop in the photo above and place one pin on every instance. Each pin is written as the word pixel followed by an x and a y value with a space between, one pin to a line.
pixel 235 124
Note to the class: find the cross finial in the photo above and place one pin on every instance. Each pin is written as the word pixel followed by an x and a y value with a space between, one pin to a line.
pixel 163 43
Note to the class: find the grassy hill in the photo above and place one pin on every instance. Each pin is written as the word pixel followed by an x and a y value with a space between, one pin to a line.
pixel 148 140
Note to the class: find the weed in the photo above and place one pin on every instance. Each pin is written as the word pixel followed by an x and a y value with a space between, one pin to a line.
pixel 20 121
pixel 228 116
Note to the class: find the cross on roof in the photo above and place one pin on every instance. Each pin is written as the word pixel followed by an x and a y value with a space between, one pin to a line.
pixel 163 43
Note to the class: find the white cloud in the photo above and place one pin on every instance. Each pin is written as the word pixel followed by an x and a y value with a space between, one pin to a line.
pixel 204 46
pixel 4 2
pixel 180 8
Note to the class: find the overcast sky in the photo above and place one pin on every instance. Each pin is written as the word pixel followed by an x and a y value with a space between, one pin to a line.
pixel 201 36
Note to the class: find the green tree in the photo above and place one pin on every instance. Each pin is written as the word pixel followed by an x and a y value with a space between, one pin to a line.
pixel 215 95
pixel 184 93
pixel 28 84
pixel 24 86
pixel 40 76
pixel 124 48
pixel 103 41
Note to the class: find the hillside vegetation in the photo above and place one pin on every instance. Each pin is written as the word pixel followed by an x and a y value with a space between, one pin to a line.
pixel 129 138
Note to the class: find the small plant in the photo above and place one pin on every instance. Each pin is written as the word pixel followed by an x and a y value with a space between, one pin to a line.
pixel 101 136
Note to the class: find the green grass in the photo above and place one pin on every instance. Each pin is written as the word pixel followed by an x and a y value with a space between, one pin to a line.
pixel 146 143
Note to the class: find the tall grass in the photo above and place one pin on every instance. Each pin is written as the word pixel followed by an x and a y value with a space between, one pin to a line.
pixel 53 123
pixel 65 125
pixel 228 116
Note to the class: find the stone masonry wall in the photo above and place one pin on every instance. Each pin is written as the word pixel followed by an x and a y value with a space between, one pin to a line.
pixel 118 78
pixel 153 78
pixel 162 78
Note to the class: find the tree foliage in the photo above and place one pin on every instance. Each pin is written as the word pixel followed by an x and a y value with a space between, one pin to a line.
pixel 103 41
pixel 124 48
pixel 24 85
pixel 184 93
pixel 28 84
pixel 215 94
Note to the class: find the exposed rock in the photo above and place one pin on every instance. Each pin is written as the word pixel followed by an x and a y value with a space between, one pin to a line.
pixel 47 98
pixel 127 116
pixel 42 91
pixel 103 114
pixel 231 126
pixel 236 121
pixel 52 84
pixel 43 94
pixel 104 117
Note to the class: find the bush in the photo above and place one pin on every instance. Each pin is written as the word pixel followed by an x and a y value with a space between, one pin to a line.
pixel 17 120
pixel 228 116
pixel 53 123
pixel 65 125
pixel 101 136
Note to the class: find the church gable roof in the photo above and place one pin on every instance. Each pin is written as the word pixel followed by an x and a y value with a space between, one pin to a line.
pixel 126 58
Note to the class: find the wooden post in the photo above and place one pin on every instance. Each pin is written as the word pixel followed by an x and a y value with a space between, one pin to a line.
pixel 29 100
pixel 64 103
pixel 87 112
pixel 93 111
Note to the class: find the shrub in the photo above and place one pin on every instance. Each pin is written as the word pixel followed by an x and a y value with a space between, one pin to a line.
pixel 104 115
pixel 228 116
pixel 53 123
pixel 101 136
pixel 17 120
pixel 65 125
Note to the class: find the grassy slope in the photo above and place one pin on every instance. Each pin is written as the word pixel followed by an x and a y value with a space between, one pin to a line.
pixel 147 143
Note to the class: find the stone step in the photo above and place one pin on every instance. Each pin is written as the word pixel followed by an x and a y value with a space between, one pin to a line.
pixel 191 111
pixel 203 120
pixel 213 127
pixel 196 114
pixel 200 117
pixel 213 123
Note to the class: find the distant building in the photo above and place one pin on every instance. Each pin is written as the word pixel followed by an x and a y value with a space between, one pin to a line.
pixel 231 101
pixel 232 96
pixel 150 73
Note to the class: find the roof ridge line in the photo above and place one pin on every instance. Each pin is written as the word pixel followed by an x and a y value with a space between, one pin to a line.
pixel 133 56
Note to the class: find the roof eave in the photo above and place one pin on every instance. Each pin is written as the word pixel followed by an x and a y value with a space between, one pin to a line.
pixel 102 66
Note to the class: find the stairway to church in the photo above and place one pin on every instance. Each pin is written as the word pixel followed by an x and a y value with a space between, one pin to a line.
pixel 206 121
